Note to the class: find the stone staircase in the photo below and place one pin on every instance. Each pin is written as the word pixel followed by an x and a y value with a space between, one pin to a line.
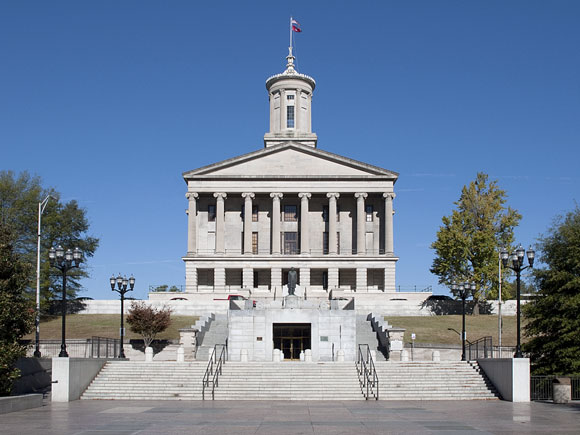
pixel 445 380
pixel 288 381
pixel 139 380
pixel 366 335
pixel 216 334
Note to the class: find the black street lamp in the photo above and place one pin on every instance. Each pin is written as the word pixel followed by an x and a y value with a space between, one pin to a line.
pixel 517 265
pixel 122 282
pixel 464 289
pixel 64 261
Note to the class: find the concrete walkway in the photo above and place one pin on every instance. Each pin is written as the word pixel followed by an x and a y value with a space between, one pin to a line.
pixel 279 418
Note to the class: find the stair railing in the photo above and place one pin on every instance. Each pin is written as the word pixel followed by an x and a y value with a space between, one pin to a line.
pixel 480 348
pixel 367 374
pixel 214 369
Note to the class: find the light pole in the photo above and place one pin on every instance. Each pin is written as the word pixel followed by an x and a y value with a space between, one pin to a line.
pixel 64 261
pixel 122 282
pixel 517 260
pixel 464 289
pixel 41 207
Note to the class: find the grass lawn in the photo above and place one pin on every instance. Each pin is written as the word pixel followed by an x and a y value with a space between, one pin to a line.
pixel 103 325
pixel 433 329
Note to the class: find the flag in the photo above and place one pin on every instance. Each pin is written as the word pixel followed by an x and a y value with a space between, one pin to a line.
pixel 295 26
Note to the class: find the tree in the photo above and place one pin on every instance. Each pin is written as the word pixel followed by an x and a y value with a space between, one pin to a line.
pixel 147 321
pixel 16 311
pixel 553 322
pixel 466 248
pixel 62 223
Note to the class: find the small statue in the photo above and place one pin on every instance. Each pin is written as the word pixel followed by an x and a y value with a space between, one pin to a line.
pixel 292 278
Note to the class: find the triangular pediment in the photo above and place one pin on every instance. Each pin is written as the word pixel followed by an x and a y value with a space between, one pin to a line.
pixel 290 160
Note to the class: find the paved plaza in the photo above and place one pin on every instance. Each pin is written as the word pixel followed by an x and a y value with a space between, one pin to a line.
pixel 279 418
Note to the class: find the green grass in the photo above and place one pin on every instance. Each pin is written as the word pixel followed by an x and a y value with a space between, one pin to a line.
pixel 103 325
pixel 434 329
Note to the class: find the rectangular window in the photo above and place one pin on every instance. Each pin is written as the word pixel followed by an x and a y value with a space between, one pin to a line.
pixel 289 97
pixel 254 243
pixel 325 213
pixel 256 276
pixel 325 242
pixel 254 213
pixel 290 117
pixel 290 243
pixel 337 213
pixel 211 213
pixel 290 213
pixel 369 212
pixel 338 243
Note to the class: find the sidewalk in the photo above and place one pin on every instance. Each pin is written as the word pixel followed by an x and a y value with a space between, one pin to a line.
pixel 279 418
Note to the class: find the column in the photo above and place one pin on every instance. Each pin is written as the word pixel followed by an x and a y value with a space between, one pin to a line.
pixel 304 277
pixel 332 278
pixel 220 222
pixel 360 222
pixel 276 196
pixel 282 110
pixel 276 281
pixel 304 233
pixel 361 279
pixel 248 196
pixel 219 279
pixel 190 277
pixel 248 278
pixel 297 111
pixel 192 222
pixel 332 242
pixel 389 246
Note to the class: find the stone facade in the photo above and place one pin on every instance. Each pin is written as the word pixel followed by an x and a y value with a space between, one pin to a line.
pixel 253 217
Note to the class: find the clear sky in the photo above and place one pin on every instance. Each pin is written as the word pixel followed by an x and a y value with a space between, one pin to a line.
pixel 109 102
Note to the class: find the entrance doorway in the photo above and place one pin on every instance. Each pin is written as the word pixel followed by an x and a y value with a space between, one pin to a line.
pixel 291 339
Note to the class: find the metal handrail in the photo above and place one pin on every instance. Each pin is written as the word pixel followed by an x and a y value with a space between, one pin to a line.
pixel 480 348
pixel 212 371
pixel 367 373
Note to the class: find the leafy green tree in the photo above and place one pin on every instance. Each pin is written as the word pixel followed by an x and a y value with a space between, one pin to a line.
pixel 148 321
pixel 467 243
pixel 16 311
pixel 553 321
pixel 63 223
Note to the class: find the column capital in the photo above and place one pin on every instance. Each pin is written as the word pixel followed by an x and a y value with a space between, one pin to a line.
pixel 360 195
pixel 248 195
pixel 220 195
pixel 276 195
pixel 305 196
pixel 334 195
pixel 389 196
pixel 192 196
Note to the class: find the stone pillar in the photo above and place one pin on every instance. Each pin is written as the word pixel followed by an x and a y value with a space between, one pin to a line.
pixel 304 233
pixel 192 222
pixel 297 111
pixel 360 223
pixel 248 196
pixel 282 110
pixel 332 242
pixel 361 279
pixel 219 279
pixel 304 277
pixel 389 246
pixel 276 281
pixel 220 222
pixel 276 196
pixel 248 277
pixel 190 276
pixel 332 278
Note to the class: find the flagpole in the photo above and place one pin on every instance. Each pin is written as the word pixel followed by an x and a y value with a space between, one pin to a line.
pixel 290 32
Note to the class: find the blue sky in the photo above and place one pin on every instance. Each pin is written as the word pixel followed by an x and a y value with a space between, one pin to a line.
pixel 109 102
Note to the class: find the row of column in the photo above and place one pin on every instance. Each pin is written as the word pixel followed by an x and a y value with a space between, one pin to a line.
pixel 304 233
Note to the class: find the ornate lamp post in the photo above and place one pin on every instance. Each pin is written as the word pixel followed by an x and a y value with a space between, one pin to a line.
pixel 464 289
pixel 64 261
pixel 517 265
pixel 122 282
